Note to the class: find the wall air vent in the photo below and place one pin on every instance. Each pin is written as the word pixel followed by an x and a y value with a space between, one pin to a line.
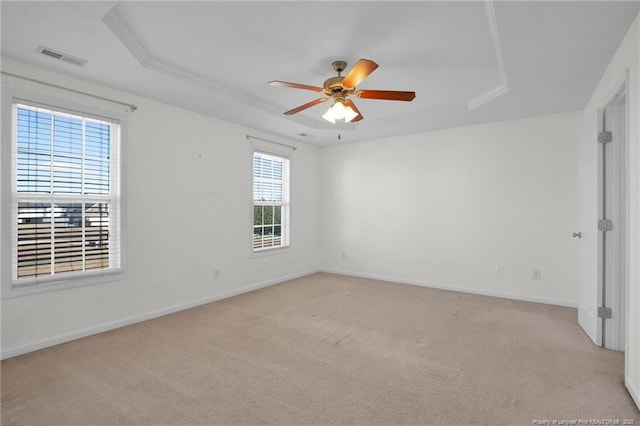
pixel 61 56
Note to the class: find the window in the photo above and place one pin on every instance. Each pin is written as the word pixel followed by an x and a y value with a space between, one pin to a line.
pixel 270 201
pixel 65 195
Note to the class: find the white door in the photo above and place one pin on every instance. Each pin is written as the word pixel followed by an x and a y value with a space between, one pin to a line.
pixel 589 291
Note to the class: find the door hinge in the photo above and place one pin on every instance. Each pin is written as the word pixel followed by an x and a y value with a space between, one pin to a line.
pixel 605 225
pixel 605 137
pixel 604 312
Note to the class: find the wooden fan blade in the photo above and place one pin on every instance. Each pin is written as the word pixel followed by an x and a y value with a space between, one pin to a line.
pixel 295 85
pixel 349 102
pixel 389 95
pixel 305 106
pixel 359 72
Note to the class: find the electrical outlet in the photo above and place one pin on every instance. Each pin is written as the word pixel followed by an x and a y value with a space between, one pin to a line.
pixel 499 271
pixel 216 274
pixel 344 255
pixel 536 274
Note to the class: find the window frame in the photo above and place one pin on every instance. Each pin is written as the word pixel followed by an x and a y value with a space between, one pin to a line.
pixel 11 285
pixel 285 205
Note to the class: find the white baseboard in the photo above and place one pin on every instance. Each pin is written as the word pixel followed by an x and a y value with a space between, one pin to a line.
pixel 635 395
pixel 462 289
pixel 67 337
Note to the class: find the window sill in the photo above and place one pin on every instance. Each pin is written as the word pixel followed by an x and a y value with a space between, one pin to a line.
pixel 271 251
pixel 38 286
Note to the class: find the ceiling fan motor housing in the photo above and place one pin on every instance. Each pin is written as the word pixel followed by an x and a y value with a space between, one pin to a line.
pixel 333 85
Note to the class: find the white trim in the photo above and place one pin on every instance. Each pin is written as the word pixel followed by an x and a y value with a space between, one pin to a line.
pixel 486 97
pixel 270 251
pixel 635 395
pixel 617 259
pixel 619 88
pixel 59 103
pixel 461 289
pixel 118 26
pixel 74 335
pixel 285 218
pixel 64 282
pixel 120 29
pixel 503 87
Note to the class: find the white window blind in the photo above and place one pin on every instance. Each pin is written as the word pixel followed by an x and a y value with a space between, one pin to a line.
pixel 270 201
pixel 66 194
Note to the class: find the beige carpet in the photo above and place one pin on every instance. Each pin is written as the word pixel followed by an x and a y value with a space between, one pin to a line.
pixel 327 349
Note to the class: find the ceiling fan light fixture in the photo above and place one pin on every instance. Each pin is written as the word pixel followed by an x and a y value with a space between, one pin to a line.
pixel 349 114
pixel 329 117
pixel 339 111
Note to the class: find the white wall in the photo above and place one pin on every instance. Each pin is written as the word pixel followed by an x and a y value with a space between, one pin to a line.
pixel 188 212
pixel 442 208
pixel 447 208
pixel 627 58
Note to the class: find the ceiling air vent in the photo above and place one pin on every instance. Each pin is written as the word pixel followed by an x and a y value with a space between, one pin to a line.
pixel 61 56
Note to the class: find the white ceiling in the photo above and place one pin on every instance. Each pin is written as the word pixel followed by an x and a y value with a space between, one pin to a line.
pixel 509 59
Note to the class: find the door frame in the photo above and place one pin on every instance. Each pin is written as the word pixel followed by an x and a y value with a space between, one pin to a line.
pixel 615 337
pixel 591 256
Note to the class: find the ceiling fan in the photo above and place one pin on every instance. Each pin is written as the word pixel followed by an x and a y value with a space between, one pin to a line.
pixel 339 88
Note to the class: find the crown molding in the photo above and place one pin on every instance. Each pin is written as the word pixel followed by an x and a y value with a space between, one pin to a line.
pixel 503 87
pixel 118 26
pixel 120 29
